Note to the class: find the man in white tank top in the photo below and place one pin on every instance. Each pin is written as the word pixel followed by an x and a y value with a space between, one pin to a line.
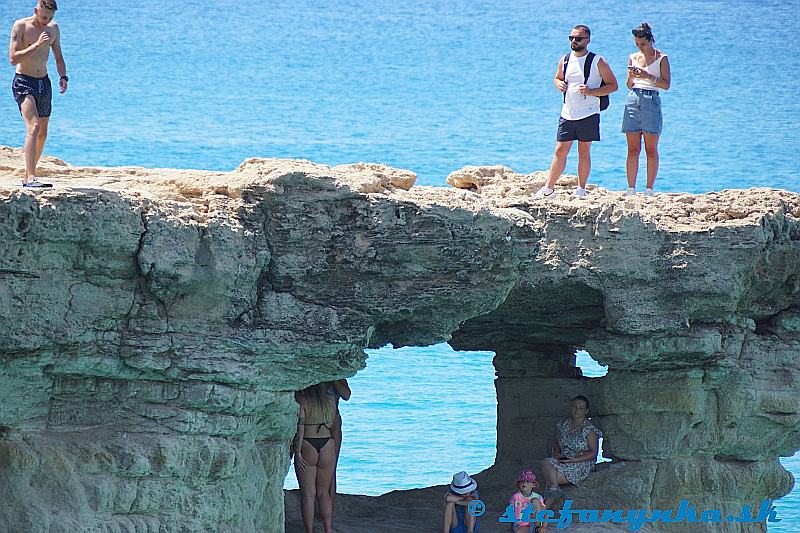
pixel 580 114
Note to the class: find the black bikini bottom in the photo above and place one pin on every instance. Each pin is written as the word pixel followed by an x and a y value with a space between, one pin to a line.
pixel 317 442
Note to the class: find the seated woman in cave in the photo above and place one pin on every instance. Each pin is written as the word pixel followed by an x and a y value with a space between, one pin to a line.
pixel 315 454
pixel 462 491
pixel 574 450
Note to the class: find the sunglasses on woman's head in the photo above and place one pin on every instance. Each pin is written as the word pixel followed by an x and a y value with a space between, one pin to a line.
pixel 641 34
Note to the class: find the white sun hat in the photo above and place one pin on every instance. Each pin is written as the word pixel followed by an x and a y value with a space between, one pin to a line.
pixel 463 484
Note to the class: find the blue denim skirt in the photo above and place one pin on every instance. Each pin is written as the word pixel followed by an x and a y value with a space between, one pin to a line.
pixel 642 112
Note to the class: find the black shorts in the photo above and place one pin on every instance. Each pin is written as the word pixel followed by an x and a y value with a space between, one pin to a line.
pixel 585 129
pixel 39 88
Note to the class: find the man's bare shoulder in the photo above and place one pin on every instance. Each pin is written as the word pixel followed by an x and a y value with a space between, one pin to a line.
pixel 23 24
pixel 24 21
pixel 53 27
pixel 18 30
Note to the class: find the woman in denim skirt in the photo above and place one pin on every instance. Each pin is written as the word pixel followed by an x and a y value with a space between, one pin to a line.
pixel 648 73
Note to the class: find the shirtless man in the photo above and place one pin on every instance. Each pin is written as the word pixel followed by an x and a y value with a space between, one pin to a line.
pixel 31 41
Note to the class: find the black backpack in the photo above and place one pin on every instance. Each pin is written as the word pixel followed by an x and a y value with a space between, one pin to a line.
pixel 587 69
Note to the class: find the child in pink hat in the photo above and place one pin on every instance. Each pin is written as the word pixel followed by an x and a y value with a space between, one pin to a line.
pixel 524 498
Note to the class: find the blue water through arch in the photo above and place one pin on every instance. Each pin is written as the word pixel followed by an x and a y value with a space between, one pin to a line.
pixel 442 406
pixel 417 415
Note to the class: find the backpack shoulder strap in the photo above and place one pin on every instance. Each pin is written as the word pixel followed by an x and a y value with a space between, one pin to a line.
pixel 564 71
pixel 587 67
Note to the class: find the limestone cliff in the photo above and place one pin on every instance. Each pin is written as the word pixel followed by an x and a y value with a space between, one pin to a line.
pixel 155 323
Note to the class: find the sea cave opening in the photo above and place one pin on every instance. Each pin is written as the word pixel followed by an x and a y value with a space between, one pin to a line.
pixel 423 413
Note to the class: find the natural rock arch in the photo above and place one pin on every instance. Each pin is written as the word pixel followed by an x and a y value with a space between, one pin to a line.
pixel 176 312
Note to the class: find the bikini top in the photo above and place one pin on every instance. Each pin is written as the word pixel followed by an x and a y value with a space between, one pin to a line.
pixel 320 426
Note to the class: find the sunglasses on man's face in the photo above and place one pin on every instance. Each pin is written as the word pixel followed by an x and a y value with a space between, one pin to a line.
pixel 578 38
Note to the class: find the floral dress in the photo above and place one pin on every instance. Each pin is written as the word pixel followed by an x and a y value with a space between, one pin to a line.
pixel 574 442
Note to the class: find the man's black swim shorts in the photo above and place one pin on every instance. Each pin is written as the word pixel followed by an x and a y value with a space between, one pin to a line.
pixel 39 88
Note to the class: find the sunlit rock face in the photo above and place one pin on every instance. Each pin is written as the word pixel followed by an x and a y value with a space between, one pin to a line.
pixel 693 303
pixel 155 324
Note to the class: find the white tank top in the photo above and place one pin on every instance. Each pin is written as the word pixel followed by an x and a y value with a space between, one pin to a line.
pixel 653 68
pixel 577 106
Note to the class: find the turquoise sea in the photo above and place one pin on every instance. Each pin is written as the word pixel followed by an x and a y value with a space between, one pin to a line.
pixel 428 86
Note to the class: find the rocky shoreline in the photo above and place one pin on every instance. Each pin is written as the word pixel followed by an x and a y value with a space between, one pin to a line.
pixel 156 322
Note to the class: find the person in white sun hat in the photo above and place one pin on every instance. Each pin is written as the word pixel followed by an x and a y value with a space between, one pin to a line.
pixel 461 492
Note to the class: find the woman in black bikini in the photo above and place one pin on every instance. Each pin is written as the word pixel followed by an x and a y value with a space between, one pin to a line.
pixel 336 390
pixel 315 454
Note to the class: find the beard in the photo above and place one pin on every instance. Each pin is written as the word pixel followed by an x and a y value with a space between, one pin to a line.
pixel 578 47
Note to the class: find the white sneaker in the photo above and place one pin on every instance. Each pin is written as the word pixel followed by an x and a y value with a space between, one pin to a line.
pixel 649 192
pixel 36 184
pixel 580 192
pixel 544 192
pixel 630 192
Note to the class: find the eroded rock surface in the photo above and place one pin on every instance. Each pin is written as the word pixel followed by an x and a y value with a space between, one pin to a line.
pixel 155 323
